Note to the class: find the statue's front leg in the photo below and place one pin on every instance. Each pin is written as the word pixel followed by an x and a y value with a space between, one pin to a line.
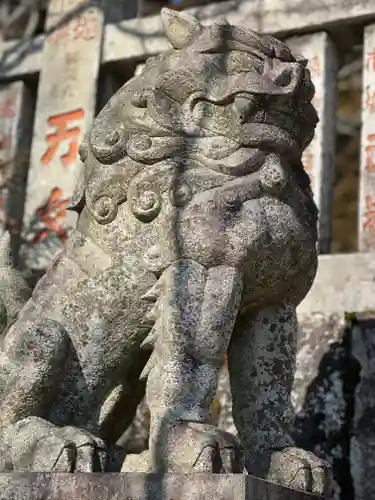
pixel 261 362
pixel 195 317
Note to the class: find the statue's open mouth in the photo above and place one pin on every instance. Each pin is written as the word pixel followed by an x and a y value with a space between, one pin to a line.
pixel 269 138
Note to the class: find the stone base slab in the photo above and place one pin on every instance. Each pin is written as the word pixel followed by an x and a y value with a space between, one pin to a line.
pixel 82 486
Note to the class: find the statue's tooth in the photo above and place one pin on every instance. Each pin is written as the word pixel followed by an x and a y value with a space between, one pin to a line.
pixel 149 366
pixel 153 294
pixel 150 340
pixel 153 313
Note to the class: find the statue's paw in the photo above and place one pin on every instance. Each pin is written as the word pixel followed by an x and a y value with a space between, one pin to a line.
pixel 87 451
pixel 201 448
pixel 37 445
pixel 293 467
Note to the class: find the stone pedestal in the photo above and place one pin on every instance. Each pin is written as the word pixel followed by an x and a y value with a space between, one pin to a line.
pixel 43 486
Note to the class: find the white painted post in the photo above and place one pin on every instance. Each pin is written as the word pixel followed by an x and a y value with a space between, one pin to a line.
pixel 16 115
pixel 64 112
pixel 319 157
pixel 366 226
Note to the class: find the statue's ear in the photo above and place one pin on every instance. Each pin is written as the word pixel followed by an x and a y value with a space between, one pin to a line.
pixel 180 27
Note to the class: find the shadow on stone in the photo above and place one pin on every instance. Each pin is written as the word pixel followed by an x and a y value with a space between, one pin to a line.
pixel 323 423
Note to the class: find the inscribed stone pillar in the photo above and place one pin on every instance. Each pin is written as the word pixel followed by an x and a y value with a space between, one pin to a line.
pixel 16 115
pixel 319 157
pixel 366 232
pixel 64 112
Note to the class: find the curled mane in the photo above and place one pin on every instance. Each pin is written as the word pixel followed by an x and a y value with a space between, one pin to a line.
pixel 219 102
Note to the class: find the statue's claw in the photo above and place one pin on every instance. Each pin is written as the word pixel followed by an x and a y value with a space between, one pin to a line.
pixel 36 445
pixel 192 447
pixel 89 452
pixel 294 468
pixel 216 450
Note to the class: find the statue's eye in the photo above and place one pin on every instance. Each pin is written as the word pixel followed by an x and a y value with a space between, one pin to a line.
pixel 243 105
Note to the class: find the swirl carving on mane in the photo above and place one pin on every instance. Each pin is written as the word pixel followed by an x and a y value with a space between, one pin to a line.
pixel 221 101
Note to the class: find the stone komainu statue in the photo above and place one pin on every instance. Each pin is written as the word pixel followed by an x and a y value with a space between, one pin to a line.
pixel 196 236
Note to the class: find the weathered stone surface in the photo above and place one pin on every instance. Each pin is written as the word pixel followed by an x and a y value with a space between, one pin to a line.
pixel 320 335
pixel 329 298
pixel 14 291
pixel 320 393
pixel 18 486
pixel 196 237
pixel 337 275
pixel 135 438
pixel 140 38
pixel 362 444
pixel 145 37
pixel 324 381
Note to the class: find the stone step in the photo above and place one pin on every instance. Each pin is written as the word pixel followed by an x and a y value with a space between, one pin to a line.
pixel 55 486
